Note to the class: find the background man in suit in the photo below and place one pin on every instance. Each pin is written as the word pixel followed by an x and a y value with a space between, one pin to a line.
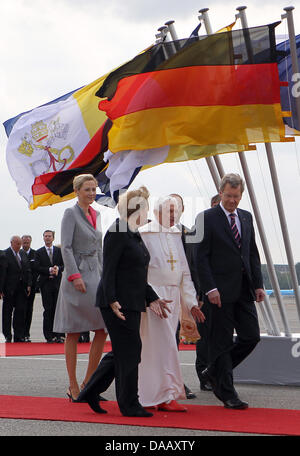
pixel 2 270
pixel 230 276
pixel 26 247
pixel 16 287
pixel 49 265
pixel 202 343
pixel 188 248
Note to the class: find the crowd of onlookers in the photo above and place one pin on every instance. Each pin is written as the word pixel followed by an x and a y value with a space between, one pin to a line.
pixel 23 273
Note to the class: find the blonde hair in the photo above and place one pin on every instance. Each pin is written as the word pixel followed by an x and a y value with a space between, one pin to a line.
pixel 78 181
pixel 132 201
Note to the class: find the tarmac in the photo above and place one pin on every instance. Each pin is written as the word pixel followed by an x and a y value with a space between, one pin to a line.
pixel 46 376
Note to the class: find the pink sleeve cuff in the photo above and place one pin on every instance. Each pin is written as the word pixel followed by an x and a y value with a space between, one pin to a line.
pixel 74 276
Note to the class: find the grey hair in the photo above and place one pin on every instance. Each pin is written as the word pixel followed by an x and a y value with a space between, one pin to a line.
pixel 26 236
pixel 15 236
pixel 234 180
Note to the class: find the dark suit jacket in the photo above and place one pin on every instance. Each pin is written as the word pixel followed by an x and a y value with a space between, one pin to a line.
pixel 31 259
pixel 42 265
pixel 2 269
pixel 125 269
pixel 187 236
pixel 13 274
pixel 221 264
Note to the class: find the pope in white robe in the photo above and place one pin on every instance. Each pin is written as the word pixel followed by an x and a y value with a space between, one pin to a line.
pixel 160 378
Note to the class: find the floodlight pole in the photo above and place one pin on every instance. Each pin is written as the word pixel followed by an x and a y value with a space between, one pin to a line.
pixel 209 161
pixel 270 263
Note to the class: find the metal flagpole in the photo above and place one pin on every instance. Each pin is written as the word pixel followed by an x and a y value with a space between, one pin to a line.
pixel 295 66
pixel 209 161
pixel 267 252
pixel 161 38
pixel 270 264
pixel 206 21
pixel 283 224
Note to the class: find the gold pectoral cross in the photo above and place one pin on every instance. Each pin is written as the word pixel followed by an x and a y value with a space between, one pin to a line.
pixel 172 261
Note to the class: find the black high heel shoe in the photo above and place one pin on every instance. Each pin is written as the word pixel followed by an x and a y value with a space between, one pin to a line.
pixel 82 386
pixel 70 396
pixel 93 401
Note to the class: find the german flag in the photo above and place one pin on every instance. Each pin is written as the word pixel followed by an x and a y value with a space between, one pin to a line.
pixel 221 89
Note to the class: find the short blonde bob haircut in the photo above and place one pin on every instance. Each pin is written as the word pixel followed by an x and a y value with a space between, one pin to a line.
pixel 132 201
pixel 78 181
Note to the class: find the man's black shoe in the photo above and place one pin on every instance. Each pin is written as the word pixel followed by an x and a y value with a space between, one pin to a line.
pixel 235 404
pixel 207 377
pixel 189 394
pixel 205 386
pixel 58 340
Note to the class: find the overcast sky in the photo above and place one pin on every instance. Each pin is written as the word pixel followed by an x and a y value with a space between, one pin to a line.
pixel 50 48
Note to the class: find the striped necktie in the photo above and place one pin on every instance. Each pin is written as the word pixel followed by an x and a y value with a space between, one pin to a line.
pixel 235 230
pixel 18 260
pixel 50 255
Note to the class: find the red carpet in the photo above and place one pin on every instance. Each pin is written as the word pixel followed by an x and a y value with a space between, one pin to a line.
pixel 210 418
pixel 42 348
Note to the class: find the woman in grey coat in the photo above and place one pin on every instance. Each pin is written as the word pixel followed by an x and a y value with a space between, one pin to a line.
pixel 81 247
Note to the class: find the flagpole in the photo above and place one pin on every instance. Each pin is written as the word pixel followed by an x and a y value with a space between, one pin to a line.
pixel 212 167
pixel 270 263
pixel 204 16
pixel 283 224
pixel 293 49
pixel 295 67
pixel 161 38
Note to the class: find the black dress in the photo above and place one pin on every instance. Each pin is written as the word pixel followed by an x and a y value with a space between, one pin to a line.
pixel 124 279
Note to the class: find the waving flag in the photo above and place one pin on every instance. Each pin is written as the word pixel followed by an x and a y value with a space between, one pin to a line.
pixel 49 140
pixel 291 90
pixel 207 93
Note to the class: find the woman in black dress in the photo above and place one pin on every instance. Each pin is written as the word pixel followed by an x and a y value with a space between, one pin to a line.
pixel 122 295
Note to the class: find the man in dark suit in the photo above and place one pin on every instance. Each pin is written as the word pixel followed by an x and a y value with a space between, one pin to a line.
pixel 26 247
pixel 2 271
pixel 49 265
pixel 201 362
pixel 186 236
pixel 16 287
pixel 230 276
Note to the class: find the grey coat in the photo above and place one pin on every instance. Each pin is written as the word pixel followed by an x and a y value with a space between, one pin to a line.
pixel 81 248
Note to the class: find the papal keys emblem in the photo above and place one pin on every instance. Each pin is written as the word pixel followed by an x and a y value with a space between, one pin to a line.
pixel 41 139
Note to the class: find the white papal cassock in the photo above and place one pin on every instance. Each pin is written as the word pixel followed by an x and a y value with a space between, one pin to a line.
pixel 160 378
